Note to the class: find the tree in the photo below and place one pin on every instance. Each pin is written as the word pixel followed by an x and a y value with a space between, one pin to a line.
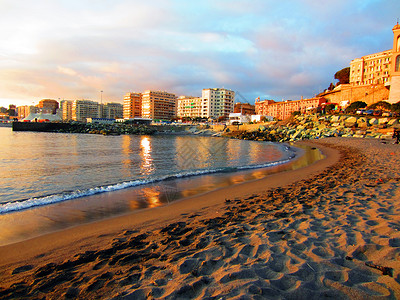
pixel 343 76
pixel 381 105
pixel 329 107
pixel 355 105
pixel 396 107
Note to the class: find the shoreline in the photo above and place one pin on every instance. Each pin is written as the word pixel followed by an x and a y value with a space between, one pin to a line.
pixel 281 235
pixel 168 212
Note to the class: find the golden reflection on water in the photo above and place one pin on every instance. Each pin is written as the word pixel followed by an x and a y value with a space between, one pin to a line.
pixel 126 151
pixel 152 196
pixel 147 162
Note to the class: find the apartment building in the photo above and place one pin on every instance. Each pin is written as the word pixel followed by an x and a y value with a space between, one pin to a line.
pixel 158 105
pixel 244 108
pixel 132 107
pixel 189 107
pixel 217 102
pixel 65 110
pixel 83 109
pixel 26 110
pixel 371 69
pixel 112 110
pixel 283 110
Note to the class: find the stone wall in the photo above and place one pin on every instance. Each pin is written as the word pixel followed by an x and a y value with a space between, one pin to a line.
pixel 367 93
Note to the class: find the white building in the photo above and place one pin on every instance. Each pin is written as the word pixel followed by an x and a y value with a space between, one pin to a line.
pixel 217 103
pixel 83 109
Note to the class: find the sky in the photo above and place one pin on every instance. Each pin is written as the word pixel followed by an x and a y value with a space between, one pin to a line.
pixel 280 50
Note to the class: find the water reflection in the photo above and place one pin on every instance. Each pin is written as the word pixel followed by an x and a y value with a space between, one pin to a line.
pixel 40 220
pixel 147 161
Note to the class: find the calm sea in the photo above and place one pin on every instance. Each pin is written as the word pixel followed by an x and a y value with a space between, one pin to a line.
pixel 59 178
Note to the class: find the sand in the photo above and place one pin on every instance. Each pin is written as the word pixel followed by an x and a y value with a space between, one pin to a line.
pixel 329 230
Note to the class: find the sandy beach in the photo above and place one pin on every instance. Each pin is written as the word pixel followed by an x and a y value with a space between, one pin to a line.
pixel 329 230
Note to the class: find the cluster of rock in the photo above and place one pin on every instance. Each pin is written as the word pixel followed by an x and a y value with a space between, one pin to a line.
pixel 316 126
pixel 107 129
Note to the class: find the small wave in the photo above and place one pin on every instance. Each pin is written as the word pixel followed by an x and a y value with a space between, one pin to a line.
pixel 55 198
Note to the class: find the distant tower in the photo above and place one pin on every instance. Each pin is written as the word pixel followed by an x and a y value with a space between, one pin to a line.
pixel 394 94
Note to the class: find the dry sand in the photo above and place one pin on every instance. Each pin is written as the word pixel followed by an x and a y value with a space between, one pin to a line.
pixel 330 230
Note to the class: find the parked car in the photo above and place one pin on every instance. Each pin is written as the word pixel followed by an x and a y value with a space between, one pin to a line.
pixel 369 112
pixel 360 111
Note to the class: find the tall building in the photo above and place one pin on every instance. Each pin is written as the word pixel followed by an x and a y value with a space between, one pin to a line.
pixel 26 110
pixel 189 107
pixel 83 109
pixel 112 111
pixel 394 94
pixel 65 111
pixel 132 105
pixel 217 103
pixel 371 69
pixel 158 105
pixel 48 106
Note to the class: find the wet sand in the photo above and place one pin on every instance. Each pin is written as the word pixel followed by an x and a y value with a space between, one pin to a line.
pixel 329 230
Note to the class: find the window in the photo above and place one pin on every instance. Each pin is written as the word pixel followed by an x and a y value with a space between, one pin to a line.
pixel 397 69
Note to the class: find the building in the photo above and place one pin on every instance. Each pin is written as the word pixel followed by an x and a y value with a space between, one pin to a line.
pixel 217 103
pixel 26 110
pixel 394 94
pixel 189 107
pixel 158 105
pixel 371 69
pixel 283 110
pixel 112 111
pixel 48 106
pixel 244 108
pixel 83 109
pixel 132 107
pixel 65 110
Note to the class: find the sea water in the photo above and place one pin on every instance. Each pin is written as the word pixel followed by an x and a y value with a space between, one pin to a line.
pixel 51 181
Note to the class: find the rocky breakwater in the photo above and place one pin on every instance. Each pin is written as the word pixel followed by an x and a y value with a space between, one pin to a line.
pixel 315 127
pixel 108 129
pixel 91 128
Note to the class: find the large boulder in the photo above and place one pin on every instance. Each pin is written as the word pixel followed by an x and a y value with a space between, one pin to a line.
pixel 350 121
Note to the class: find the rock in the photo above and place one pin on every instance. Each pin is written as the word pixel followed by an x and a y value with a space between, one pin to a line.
pixel 374 121
pixel 350 121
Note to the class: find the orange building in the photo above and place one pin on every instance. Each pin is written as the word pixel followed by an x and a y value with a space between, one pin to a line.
pixel 132 105
pixel 244 108
pixel 283 110
pixel 48 105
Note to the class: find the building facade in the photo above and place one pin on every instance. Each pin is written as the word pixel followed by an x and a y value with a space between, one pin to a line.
pixel 26 110
pixel 132 105
pixel 83 109
pixel 283 110
pixel 217 103
pixel 244 108
pixel 48 106
pixel 112 111
pixel 371 69
pixel 394 95
pixel 189 107
pixel 158 105
pixel 65 111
